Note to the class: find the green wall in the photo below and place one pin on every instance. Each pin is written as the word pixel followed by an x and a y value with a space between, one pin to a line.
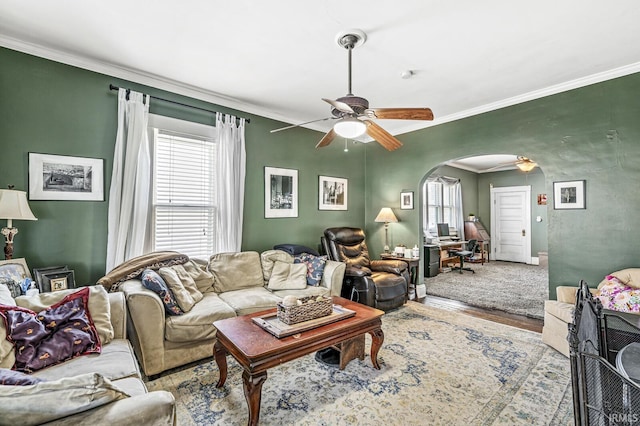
pixel 51 108
pixel 591 133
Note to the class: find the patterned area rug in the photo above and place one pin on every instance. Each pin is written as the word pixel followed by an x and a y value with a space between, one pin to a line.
pixel 437 368
pixel 516 288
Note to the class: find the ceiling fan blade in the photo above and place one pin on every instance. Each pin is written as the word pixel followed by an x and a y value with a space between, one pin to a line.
pixel 400 113
pixel 301 124
pixel 327 139
pixel 382 136
pixel 341 106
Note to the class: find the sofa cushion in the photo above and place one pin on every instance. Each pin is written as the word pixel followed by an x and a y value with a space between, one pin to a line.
pixel 288 276
pixel 197 324
pixel 16 378
pixel 117 361
pixel 99 307
pixel 188 282
pixel 180 293
pixel 249 300
pixel 269 258
pixel 47 401
pixel 560 310
pixel 315 266
pixel 154 282
pixel 203 278
pixel 234 271
pixel 60 332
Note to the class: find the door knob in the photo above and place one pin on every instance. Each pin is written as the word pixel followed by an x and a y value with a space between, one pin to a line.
pixel 523 233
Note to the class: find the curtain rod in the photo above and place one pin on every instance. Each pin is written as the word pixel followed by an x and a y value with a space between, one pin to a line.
pixel 112 87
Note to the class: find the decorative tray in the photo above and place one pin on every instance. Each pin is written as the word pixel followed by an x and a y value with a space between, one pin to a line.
pixel 273 325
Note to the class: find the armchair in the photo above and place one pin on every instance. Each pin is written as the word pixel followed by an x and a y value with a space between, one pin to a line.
pixel 381 284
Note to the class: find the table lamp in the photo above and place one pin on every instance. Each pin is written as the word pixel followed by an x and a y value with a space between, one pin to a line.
pixel 386 215
pixel 13 205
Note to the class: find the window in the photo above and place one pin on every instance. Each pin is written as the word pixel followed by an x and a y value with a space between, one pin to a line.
pixel 184 198
pixel 441 205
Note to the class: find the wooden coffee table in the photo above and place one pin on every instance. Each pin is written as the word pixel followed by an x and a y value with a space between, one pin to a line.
pixel 256 350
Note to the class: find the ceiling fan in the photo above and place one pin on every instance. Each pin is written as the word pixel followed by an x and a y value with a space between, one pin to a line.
pixel 353 112
pixel 523 163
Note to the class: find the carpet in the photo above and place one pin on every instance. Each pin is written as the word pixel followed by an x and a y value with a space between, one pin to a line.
pixel 516 288
pixel 437 368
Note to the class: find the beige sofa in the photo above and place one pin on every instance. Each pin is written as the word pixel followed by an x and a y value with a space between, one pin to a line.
pixel 72 386
pixel 231 284
pixel 558 314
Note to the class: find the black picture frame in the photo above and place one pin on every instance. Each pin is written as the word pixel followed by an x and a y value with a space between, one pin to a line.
pixel 38 274
pixel 570 195
pixel 56 281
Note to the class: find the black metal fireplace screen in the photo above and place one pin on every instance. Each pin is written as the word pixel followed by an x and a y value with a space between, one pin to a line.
pixel 602 395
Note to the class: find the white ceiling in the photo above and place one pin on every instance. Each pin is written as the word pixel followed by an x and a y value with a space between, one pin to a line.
pixel 278 58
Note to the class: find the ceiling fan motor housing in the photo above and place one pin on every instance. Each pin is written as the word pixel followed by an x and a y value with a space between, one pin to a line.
pixel 357 104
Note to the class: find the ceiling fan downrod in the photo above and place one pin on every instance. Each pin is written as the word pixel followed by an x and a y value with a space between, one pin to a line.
pixel 349 41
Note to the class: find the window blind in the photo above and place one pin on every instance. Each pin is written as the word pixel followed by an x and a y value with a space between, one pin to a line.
pixel 184 194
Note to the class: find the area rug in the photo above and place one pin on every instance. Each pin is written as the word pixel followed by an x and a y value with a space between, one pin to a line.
pixel 437 368
pixel 516 288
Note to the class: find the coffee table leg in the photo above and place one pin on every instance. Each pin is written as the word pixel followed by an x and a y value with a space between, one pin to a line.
pixel 253 394
pixel 220 354
pixel 377 337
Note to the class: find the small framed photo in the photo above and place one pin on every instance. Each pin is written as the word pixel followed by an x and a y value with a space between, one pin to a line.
pixel 332 193
pixel 280 192
pixel 569 195
pixel 60 177
pixel 406 200
pixel 57 281
pixel 38 274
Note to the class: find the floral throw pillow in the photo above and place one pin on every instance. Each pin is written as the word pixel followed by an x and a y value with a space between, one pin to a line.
pixel 154 282
pixel 616 296
pixel 63 331
pixel 315 267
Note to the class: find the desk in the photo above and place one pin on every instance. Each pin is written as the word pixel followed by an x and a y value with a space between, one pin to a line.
pixel 445 246
pixel 414 269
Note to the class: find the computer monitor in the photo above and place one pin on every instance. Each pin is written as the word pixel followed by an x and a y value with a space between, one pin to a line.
pixel 443 231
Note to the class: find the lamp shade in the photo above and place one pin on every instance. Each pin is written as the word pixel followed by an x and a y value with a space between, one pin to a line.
pixel 13 205
pixel 386 215
pixel 349 127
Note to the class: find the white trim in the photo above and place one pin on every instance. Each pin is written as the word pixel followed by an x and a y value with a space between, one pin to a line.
pixel 173 86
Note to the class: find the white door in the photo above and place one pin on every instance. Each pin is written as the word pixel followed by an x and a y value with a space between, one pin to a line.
pixel 511 224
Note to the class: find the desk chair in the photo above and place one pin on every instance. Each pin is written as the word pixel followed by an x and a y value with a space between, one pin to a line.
pixel 468 254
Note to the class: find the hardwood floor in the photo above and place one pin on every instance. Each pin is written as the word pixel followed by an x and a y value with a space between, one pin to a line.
pixel 495 315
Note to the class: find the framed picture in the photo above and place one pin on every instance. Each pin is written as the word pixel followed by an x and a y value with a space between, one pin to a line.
pixel 57 281
pixel 542 199
pixel 59 177
pixel 38 274
pixel 280 192
pixel 14 269
pixel 406 200
pixel 332 193
pixel 569 195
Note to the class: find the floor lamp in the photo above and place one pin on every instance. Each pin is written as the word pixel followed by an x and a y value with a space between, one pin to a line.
pixel 386 215
pixel 13 205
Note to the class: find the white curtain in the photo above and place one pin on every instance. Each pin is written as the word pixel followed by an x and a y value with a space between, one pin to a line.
pixel 459 211
pixel 130 181
pixel 231 170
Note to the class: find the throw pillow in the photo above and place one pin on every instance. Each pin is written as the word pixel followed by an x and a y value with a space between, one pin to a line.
pixel 47 401
pixel 617 296
pixel 315 267
pixel 99 307
pixel 5 296
pixel 188 282
pixel 202 277
pixel 60 332
pixel 154 282
pixel 288 276
pixel 17 378
pixel 268 259
pixel 182 296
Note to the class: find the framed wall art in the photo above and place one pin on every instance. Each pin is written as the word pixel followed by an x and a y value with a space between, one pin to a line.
pixel 14 269
pixel 569 195
pixel 57 281
pixel 332 193
pixel 60 177
pixel 280 192
pixel 406 200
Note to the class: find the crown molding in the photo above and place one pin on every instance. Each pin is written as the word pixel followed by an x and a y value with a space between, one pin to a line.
pixel 169 85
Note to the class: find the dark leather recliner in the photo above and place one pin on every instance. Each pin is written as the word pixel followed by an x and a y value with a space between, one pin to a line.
pixel 381 284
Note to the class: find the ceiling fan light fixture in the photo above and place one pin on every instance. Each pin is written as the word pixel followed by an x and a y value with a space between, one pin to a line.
pixel 350 128
pixel 527 166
